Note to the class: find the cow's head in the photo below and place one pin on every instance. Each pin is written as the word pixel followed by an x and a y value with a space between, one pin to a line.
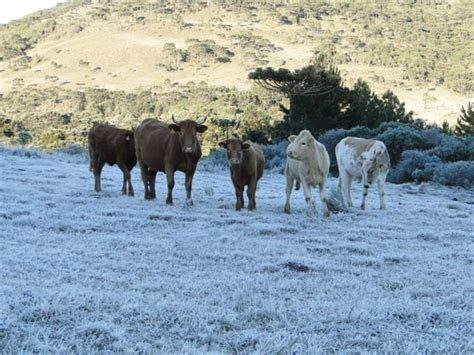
pixel 372 164
pixel 235 148
pixel 187 134
pixel 302 146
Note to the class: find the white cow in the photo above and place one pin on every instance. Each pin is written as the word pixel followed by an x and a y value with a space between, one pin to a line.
pixel 308 164
pixel 363 159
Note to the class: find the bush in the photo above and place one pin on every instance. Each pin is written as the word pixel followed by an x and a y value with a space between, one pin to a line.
pixel 452 149
pixel 414 166
pixel 73 149
pixel 216 160
pixel 460 173
pixel 401 139
pixel 275 155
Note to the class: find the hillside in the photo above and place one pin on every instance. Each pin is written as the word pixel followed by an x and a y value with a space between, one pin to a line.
pixel 87 272
pixel 421 52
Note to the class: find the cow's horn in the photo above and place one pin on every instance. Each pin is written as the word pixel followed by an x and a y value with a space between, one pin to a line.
pixel 172 118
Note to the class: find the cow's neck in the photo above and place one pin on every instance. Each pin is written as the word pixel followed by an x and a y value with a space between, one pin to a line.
pixel 312 167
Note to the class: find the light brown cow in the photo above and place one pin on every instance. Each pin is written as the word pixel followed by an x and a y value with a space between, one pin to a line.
pixel 168 148
pixel 363 159
pixel 308 164
pixel 112 145
pixel 247 163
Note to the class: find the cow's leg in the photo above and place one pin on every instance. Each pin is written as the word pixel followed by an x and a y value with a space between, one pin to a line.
pixel 289 187
pixel 344 183
pixel 97 174
pixel 93 167
pixel 126 179
pixel 152 183
pixel 381 188
pixel 365 192
pixel 189 186
pixel 130 186
pixel 145 179
pixel 170 182
pixel 239 194
pixel 324 198
pixel 307 197
pixel 251 189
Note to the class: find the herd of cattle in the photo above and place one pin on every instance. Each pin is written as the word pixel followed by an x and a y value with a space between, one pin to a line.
pixel 158 146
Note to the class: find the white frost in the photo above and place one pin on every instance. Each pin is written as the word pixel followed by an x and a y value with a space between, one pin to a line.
pixel 88 272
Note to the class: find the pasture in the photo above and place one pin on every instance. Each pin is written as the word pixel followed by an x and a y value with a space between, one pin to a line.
pixel 94 272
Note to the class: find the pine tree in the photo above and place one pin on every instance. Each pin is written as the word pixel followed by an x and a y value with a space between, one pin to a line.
pixel 465 122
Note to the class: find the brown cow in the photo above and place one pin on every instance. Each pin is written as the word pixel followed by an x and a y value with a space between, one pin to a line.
pixel 167 148
pixel 112 145
pixel 246 162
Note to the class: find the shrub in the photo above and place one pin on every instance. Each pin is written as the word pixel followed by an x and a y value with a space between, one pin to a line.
pixel 73 149
pixel 459 173
pixel 401 139
pixel 216 160
pixel 452 149
pixel 275 155
pixel 24 137
pixel 414 166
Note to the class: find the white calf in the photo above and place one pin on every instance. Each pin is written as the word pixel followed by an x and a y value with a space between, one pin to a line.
pixel 363 159
pixel 308 164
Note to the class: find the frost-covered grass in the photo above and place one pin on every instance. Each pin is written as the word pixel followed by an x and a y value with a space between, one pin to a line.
pixel 89 272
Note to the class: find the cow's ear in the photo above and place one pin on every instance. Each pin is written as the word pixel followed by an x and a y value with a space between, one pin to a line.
pixel 223 144
pixel 174 127
pixel 201 128
pixel 292 138
pixel 245 145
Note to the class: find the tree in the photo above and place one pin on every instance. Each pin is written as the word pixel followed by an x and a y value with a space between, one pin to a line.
pixel 465 122
pixel 318 79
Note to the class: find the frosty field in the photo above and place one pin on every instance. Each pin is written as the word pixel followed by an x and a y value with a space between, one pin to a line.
pixel 84 271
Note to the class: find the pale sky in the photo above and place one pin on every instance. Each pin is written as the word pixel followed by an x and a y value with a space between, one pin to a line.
pixel 15 9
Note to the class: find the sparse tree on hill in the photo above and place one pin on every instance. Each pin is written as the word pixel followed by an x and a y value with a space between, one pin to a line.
pixel 465 122
pixel 318 79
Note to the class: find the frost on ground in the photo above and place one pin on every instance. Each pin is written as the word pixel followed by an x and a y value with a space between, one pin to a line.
pixel 89 272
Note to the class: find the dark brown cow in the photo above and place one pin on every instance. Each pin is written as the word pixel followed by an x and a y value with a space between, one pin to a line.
pixel 167 148
pixel 246 162
pixel 112 145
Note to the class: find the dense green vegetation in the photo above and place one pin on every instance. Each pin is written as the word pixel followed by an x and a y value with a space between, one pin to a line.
pixel 57 117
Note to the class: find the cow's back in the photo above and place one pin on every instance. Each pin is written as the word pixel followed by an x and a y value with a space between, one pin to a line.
pixel 151 138
pixel 109 143
pixel 349 151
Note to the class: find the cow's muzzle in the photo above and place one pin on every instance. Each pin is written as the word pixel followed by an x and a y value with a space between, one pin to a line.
pixel 188 150
pixel 234 162
pixel 291 155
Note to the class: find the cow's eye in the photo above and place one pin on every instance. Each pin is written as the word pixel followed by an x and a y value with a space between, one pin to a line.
pixel 303 143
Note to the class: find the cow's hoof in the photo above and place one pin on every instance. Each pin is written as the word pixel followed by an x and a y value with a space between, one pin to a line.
pixel 130 193
pixel 287 209
pixel 362 207
pixel 169 202
pixel 124 192
pixel 189 203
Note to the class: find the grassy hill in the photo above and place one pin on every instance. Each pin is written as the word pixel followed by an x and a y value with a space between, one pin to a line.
pixel 421 52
